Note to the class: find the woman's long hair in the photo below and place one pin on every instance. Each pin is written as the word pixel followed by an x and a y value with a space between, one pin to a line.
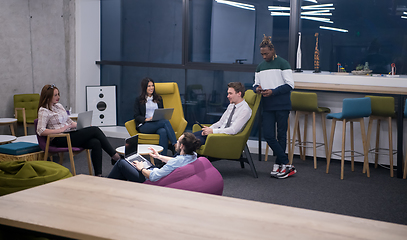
pixel 47 93
pixel 143 96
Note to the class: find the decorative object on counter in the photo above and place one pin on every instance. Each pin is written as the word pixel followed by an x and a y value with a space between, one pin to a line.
pixel 340 68
pixel 298 68
pixel 362 70
pixel 316 56
pixel 393 69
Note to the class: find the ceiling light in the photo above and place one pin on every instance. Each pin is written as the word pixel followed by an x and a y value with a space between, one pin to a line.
pixel 404 17
pixel 314 1
pixel 277 8
pixel 327 20
pixel 318 12
pixel 313 7
pixel 236 4
pixel 334 29
pixel 276 14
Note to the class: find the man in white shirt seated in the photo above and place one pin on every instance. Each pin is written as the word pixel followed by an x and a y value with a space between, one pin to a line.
pixel 234 118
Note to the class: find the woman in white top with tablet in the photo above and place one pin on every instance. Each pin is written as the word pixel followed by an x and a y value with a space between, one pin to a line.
pixel 144 107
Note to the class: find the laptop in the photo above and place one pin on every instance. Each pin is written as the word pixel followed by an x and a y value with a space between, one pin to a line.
pixel 130 152
pixel 162 113
pixel 84 120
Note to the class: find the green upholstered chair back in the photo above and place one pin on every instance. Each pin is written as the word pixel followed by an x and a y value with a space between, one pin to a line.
pixel 30 103
pixel 224 146
pixel 382 106
pixel 304 101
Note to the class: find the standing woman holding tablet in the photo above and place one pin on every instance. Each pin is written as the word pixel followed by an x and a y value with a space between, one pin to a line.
pixel 52 118
pixel 144 108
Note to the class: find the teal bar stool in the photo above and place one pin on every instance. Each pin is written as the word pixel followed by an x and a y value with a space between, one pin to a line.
pixel 353 110
pixel 382 109
pixel 306 103
pixel 405 160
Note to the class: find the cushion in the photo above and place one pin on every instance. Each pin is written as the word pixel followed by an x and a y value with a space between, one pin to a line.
pixel 198 176
pixel 19 148
pixel 19 175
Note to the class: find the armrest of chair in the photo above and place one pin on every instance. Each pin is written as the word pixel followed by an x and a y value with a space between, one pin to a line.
pixel 131 127
pixel 54 135
pixel 223 146
pixel 181 127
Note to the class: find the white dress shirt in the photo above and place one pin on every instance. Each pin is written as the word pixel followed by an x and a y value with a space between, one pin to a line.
pixel 239 119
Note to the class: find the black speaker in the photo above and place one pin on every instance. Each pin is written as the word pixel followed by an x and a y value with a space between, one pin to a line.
pixel 102 101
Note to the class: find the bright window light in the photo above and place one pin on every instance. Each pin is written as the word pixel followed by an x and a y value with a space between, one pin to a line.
pixel 334 29
pixel 236 4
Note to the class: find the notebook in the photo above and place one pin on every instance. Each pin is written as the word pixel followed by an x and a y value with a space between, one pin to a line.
pixel 130 152
pixel 84 120
pixel 162 113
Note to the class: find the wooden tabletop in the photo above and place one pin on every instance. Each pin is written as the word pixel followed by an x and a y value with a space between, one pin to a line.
pixel 99 208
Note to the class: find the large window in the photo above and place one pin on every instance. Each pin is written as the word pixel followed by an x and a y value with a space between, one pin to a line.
pixel 204 44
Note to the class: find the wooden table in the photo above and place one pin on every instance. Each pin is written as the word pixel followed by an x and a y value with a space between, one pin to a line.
pixel 142 149
pixel 10 122
pixel 4 139
pixel 88 207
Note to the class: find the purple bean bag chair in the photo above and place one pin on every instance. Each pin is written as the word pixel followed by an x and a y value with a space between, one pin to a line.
pixel 199 176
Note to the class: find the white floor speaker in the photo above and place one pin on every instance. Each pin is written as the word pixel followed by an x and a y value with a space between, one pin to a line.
pixel 102 101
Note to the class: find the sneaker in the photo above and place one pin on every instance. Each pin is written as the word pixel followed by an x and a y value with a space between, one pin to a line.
pixel 286 171
pixel 276 170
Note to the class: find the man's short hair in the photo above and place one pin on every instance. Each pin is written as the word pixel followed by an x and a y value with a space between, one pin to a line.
pixel 238 86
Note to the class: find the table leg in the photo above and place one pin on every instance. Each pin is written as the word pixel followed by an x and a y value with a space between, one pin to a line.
pixel 12 129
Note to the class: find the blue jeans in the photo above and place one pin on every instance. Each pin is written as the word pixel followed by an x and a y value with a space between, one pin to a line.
pixel 162 128
pixel 123 170
pixel 277 144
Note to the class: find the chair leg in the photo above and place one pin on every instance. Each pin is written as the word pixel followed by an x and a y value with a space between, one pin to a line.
pixel 305 136
pixel 376 158
pixel 390 147
pixel 288 136
pixel 331 141
pixel 343 147
pixel 324 133
pixel 89 161
pixel 267 152
pixel 365 150
pixel 46 149
pixel 352 146
pixel 314 139
pixel 250 160
pixel 71 155
pixel 369 134
pixel 61 157
pixel 405 166
pixel 296 129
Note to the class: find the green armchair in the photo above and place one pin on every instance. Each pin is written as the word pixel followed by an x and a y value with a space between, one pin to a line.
pixel 230 147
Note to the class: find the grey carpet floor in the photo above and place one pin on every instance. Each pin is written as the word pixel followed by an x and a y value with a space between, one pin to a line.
pixel 379 197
